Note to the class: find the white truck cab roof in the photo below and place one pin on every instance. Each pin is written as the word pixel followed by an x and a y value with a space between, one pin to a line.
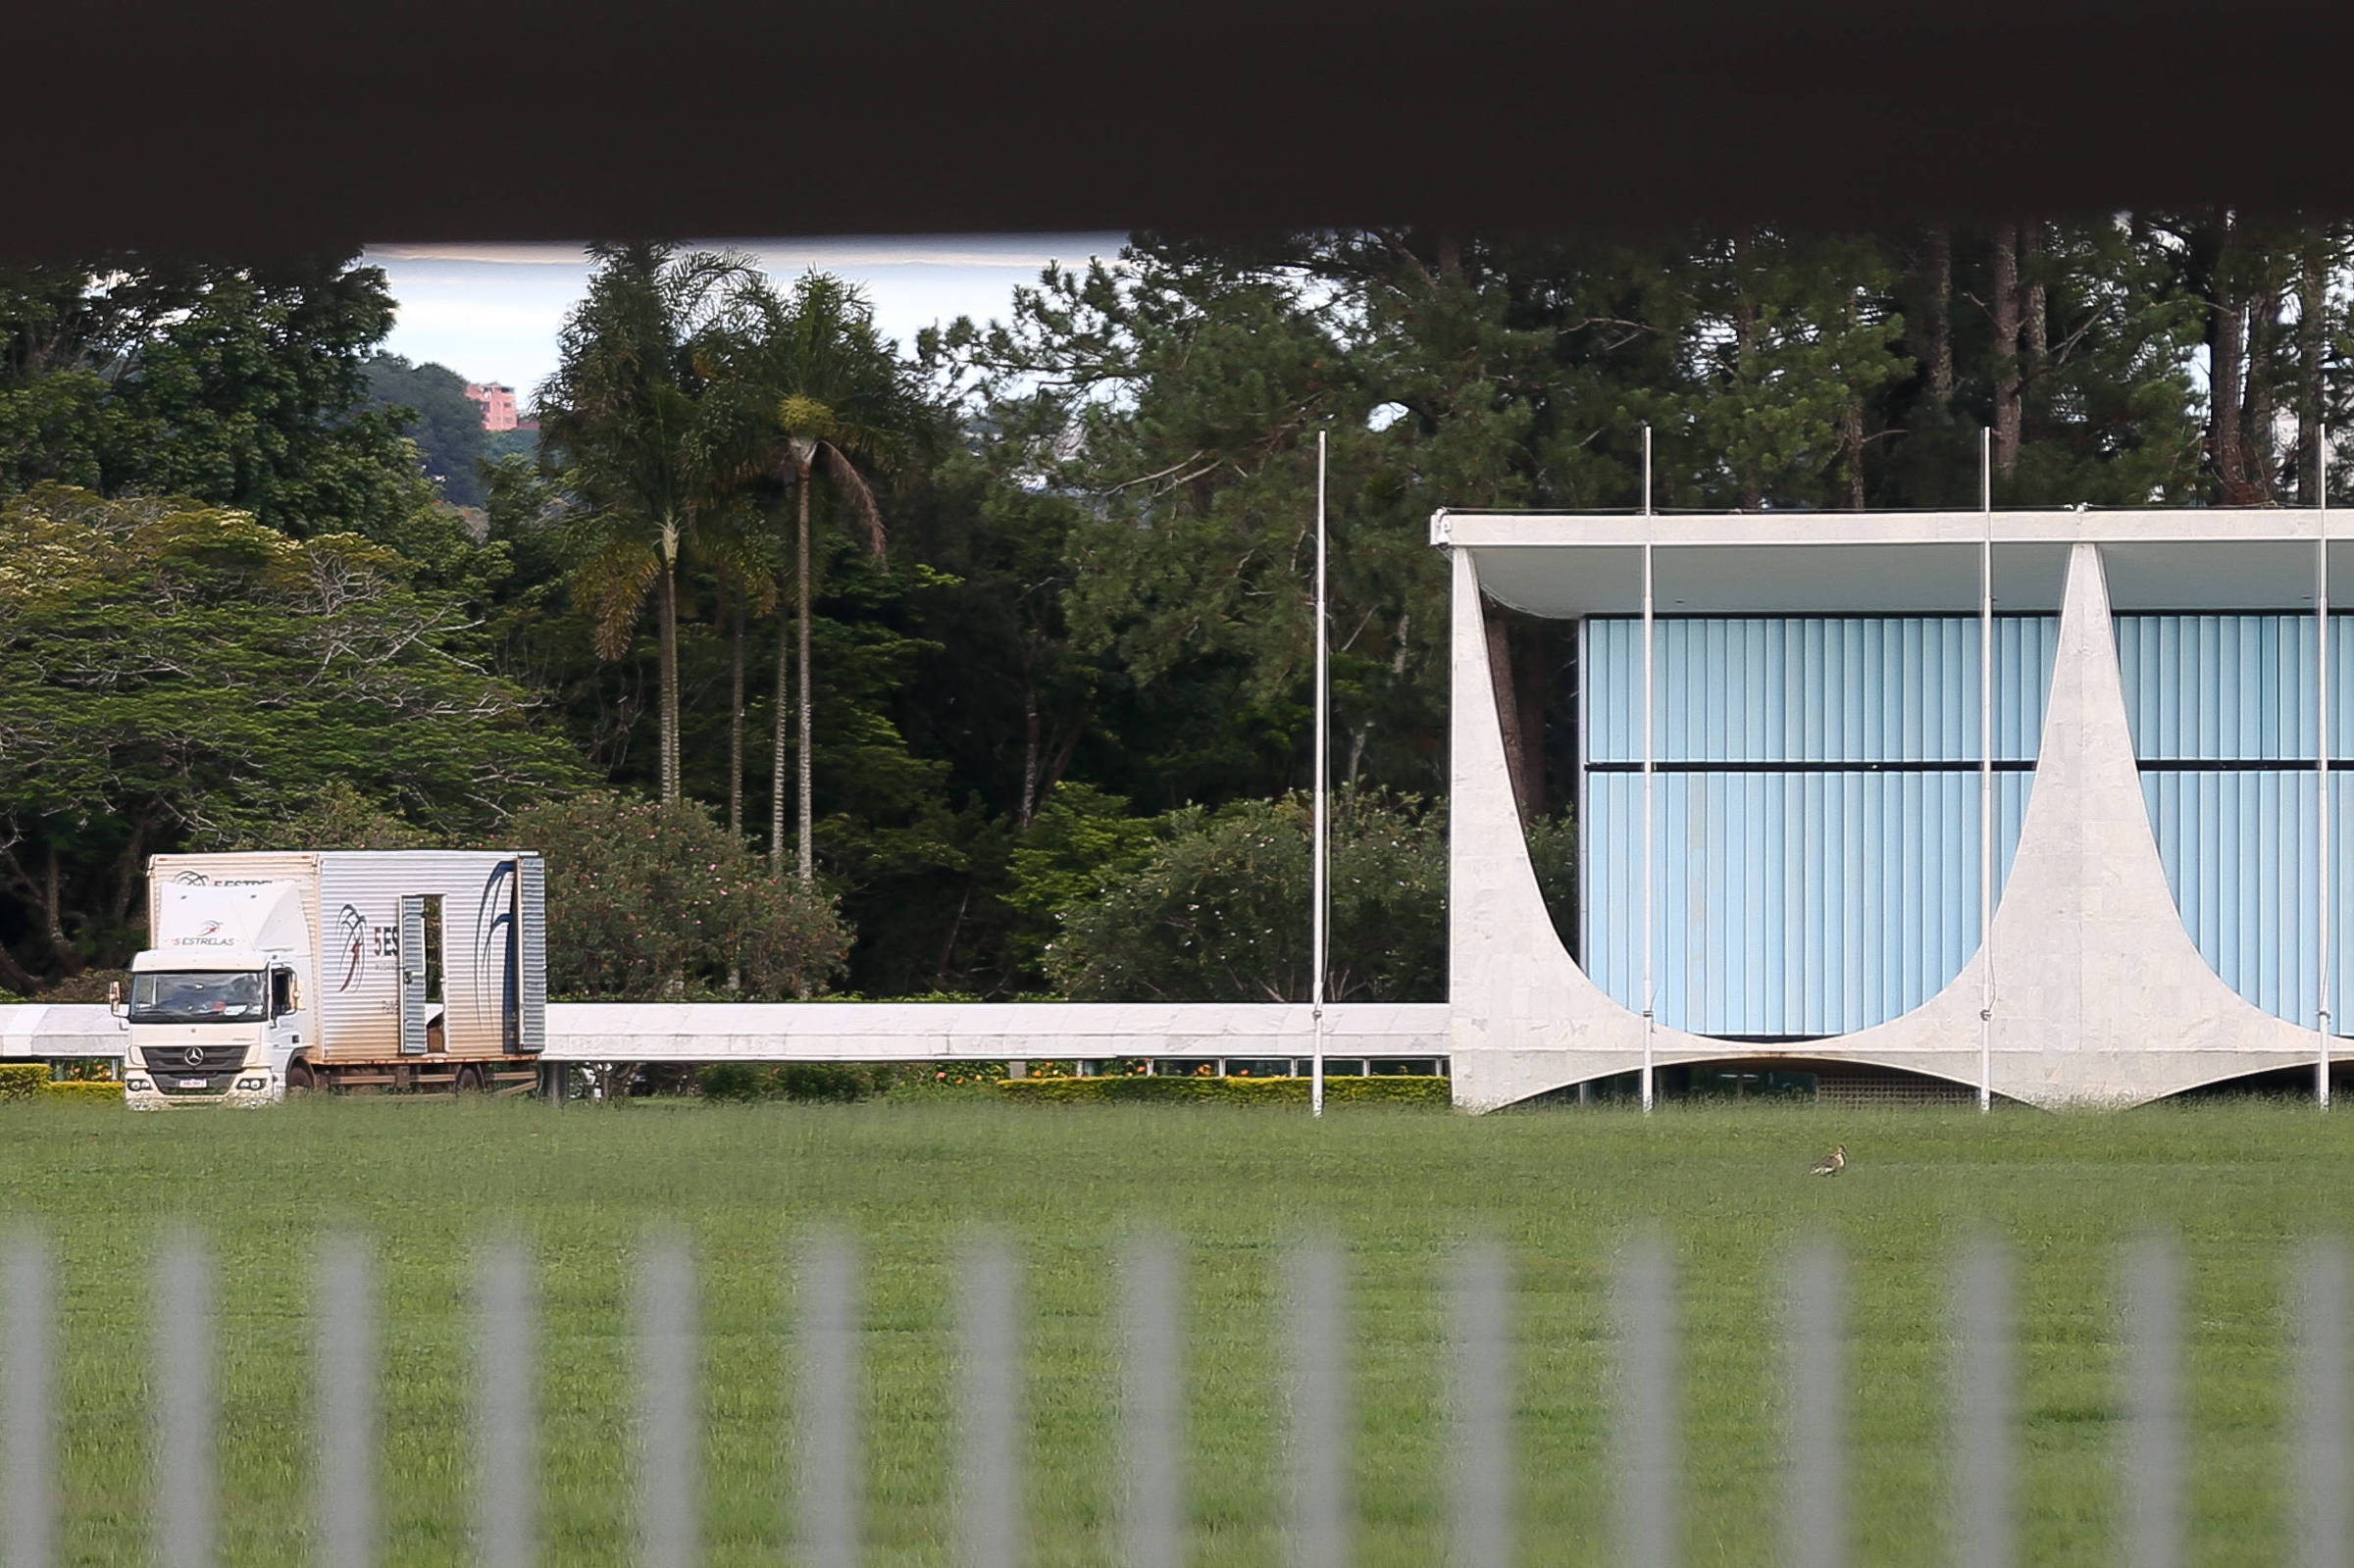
pixel 222 960
pixel 200 925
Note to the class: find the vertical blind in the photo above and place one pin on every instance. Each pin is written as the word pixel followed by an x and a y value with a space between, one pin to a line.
pixel 1815 855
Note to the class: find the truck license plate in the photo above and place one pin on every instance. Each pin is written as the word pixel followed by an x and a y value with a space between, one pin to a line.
pixel 193 1082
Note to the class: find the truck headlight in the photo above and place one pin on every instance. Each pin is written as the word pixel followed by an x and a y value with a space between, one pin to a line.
pixel 134 1081
pixel 253 1083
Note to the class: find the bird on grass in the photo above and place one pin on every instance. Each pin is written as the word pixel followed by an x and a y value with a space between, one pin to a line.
pixel 1831 1164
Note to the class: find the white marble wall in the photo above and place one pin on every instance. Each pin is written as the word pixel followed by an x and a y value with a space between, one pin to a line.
pixel 883 1032
pixel 880 1032
pixel 58 1031
pixel 2099 998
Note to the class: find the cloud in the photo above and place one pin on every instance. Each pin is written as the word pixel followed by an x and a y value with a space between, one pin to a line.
pixel 472 315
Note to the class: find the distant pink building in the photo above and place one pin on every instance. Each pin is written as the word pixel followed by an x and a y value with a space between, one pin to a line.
pixel 498 404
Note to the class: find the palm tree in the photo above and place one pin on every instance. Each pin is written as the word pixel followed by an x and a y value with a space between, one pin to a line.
pixel 731 542
pixel 643 450
pixel 839 406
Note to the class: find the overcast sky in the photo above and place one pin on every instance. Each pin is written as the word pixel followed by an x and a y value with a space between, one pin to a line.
pixel 492 312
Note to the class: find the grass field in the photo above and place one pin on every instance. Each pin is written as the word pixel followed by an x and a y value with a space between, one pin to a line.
pixel 2238 1185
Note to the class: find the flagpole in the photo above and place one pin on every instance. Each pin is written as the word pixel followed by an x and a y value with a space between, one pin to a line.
pixel 1985 770
pixel 1648 1082
pixel 1315 1083
pixel 2320 751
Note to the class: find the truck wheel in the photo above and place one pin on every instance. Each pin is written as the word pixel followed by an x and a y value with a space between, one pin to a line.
pixel 299 1079
pixel 470 1080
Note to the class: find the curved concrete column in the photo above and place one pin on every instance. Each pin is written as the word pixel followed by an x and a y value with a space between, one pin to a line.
pixel 1523 1017
pixel 2100 997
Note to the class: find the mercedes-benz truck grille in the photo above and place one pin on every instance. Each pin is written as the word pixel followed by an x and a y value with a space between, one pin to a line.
pixel 193 1069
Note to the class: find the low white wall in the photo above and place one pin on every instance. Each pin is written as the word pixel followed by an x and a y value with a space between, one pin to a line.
pixel 854 1032
pixel 876 1032
pixel 39 1030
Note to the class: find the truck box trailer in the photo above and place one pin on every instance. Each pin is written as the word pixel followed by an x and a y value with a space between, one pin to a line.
pixel 275 973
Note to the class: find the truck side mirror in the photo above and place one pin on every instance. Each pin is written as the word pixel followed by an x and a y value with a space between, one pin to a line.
pixel 114 998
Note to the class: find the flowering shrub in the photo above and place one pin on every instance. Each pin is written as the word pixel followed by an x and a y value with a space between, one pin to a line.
pixel 918 1079
pixel 1218 911
pixel 646 902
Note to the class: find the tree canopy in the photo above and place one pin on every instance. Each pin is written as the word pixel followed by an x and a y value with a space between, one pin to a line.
pixel 242 384
pixel 430 402
pixel 177 674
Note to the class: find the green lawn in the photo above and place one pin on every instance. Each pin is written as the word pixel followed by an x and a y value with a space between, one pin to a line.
pixel 1562 1188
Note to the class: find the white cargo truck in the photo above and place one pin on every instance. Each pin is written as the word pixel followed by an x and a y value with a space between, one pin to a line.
pixel 273 974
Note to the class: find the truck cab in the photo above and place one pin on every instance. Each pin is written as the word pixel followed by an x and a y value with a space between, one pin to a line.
pixel 216 1010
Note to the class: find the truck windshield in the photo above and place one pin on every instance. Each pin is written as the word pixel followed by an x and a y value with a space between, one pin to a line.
pixel 198 997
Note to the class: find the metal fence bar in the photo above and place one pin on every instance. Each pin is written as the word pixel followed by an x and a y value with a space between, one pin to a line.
pixel 1646 1436
pixel 670 1505
pixel 1482 1504
pixel 989 1408
pixel 1317 1309
pixel 2323 1475
pixel 1152 1327
pixel 507 1421
pixel 183 1526
pixel 1482 1488
pixel 830 1463
pixel 346 1361
pixel 2153 1501
pixel 29 1434
pixel 1814 1510
pixel 1983 1526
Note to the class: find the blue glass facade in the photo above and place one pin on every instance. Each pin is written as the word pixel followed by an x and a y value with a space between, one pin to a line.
pixel 2225 711
pixel 1815 851
pixel 1816 798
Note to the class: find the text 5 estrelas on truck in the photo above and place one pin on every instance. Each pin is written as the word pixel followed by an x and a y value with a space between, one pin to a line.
pixel 269 974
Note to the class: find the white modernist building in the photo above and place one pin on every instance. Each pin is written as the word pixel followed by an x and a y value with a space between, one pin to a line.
pixel 2038 804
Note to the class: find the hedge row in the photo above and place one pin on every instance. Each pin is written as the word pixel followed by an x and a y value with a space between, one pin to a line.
pixel 1388 1090
pixel 837 1082
pixel 83 1092
pixel 24 1081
